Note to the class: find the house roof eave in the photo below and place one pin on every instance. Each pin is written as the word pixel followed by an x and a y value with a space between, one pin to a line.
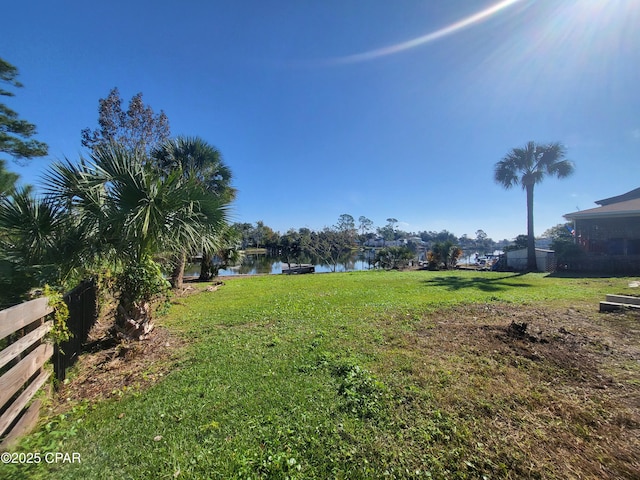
pixel 592 215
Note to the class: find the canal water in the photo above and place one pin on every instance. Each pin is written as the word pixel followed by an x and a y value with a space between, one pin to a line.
pixel 271 265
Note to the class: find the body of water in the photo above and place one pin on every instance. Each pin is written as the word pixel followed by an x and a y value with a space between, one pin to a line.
pixel 271 265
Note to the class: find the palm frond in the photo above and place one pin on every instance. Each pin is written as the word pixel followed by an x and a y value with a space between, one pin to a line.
pixel 529 165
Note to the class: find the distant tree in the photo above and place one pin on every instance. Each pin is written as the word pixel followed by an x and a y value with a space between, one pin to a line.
pixel 304 234
pixel 442 236
pixel 290 247
pixel 136 129
pixel 518 243
pixel 393 257
pixel 346 223
pixel 527 167
pixel 258 233
pixel 443 255
pixel 563 241
pixel 271 238
pixel 331 246
pixel 561 231
pixel 387 233
pixel 15 134
pixel 521 241
pixel 244 230
pixel 445 236
pixel 304 231
pixel 364 225
pixel 227 252
pixel 483 241
pixel 266 236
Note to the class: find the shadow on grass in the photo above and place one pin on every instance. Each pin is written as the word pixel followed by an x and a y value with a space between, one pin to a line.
pixel 485 284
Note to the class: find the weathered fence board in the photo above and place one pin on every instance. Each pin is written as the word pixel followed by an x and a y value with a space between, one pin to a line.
pixel 15 378
pixel 15 318
pixel 24 425
pixel 25 342
pixel 21 361
pixel 25 353
pixel 16 407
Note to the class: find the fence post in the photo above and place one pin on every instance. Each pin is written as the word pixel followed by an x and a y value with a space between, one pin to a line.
pixel 83 313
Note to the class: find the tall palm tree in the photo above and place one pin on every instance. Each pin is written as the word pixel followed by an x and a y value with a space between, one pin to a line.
pixel 127 211
pixel 527 167
pixel 201 161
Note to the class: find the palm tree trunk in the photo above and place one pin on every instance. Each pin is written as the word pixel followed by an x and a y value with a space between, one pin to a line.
pixel 134 318
pixel 177 275
pixel 205 267
pixel 532 265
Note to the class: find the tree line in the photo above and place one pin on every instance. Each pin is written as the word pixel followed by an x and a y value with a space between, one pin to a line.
pixel 259 235
pixel 390 246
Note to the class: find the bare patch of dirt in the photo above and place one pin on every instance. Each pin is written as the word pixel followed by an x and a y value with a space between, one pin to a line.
pixel 567 338
pixel 559 389
pixel 110 366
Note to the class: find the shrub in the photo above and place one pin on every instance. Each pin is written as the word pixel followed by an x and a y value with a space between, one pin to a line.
pixel 393 257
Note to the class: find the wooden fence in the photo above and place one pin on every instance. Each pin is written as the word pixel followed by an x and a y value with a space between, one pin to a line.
pixel 83 313
pixel 22 356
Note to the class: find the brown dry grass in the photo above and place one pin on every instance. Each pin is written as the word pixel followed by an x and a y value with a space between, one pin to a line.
pixel 562 399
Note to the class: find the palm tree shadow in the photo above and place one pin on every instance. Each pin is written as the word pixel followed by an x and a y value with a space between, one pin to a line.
pixel 493 284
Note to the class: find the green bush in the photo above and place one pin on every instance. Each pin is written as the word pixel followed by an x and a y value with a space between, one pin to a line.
pixel 138 285
pixel 393 257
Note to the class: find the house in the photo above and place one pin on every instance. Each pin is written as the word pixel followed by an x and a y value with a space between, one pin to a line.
pixel 610 234
pixel 376 242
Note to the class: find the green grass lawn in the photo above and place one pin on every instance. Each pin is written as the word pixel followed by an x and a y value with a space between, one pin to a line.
pixel 372 375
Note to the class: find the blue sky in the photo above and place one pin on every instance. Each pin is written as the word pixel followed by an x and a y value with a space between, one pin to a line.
pixel 378 108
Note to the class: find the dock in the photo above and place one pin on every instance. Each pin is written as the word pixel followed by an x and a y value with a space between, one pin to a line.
pixel 298 268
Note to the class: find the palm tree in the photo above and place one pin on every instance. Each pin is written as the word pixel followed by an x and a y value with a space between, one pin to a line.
pixel 127 211
pixel 444 253
pixel 32 244
pixel 528 166
pixel 201 161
